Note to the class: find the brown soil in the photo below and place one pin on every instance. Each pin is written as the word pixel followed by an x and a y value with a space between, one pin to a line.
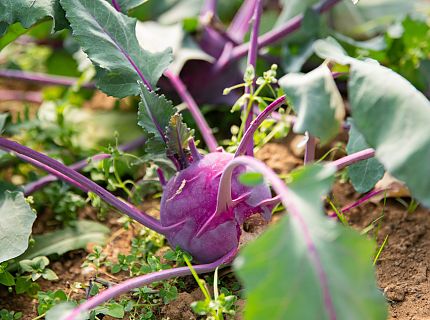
pixel 401 270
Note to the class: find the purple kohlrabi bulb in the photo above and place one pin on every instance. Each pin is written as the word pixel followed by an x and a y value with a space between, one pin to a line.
pixel 190 199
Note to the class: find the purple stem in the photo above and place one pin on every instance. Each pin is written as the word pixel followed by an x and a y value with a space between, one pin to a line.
pixel 353 158
pixel 281 32
pixel 18 95
pixel 161 177
pixel 240 24
pixel 288 201
pixel 116 5
pixel 252 60
pixel 209 8
pixel 41 78
pixel 363 199
pixel 256 123
pixel 48 169
pixel 140 281
pixel 194 110
pixel 310 149
pixel 38 184
pixel 60 170
pixel 194 152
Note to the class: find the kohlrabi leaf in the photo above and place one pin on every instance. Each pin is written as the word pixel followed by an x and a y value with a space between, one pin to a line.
pixel 108 38
pixel 153 116
pixel 391 115
pixel 251 178
pixel 178 135
pixel 364 174
pixel 70 238
pixel 156 37
pixel 125 5
pixel 291 8
pixel 14 31
pixel 394 119
pixel 29 12
pixel 329 48
pixel 317 102
pixel 308 257
pixel 16 221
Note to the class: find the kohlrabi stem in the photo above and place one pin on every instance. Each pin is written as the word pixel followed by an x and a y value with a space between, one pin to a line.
pixel 194 110
pixel 140 281
pixel 288 201
pixel 41 78
pixel 49 169
pixel 161 177
pixel 363 199
pixel 38 184
pixel 18 95
pixel 60 170
pixel 194 152
pixel 252 60
pixel 281 32
pixel 310 149
pixel 256 123
pixel 209 8
pixel 240 24
pixel 353 158
pixel 116 5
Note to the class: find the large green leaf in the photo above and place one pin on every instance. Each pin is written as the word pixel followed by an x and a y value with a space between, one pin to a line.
pixel 67 239
pixel 16 221
pixel 29 12
pixel 317 102
pixel 108 38
pixel 288 268
pixel 392 116
pixel 363 174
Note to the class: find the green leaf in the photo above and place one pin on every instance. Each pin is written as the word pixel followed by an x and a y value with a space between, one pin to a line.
pixel 114 310
pixel 178 135
pixel 7 279
pixel 13 32
pixel 286 269
pixel 29 12
pixel 16 221
pixel 317 102
pixel 108 38
pixel 391 115
pixel 155 37
pixel 291 8
pixel 153 116
pixel 363 174
pixel 3 118
pixel 329 48
pixel 127 5
pixel 251 178
pixel 394 119
pixel 67 239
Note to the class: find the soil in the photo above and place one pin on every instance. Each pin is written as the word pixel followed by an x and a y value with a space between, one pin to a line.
pixel 401 270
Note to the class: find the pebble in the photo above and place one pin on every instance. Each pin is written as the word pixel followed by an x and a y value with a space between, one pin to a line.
pixel 394 293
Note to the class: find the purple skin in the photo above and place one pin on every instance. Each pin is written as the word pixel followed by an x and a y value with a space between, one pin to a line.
pixel 217 232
